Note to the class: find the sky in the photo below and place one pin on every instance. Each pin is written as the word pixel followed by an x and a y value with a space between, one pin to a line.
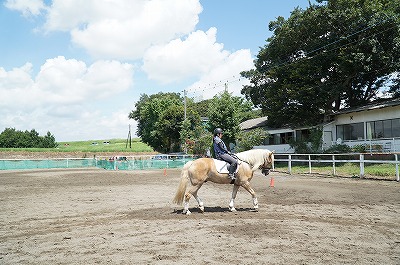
pixel 76 68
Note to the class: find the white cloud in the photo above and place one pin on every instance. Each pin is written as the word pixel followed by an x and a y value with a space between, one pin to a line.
pixel 95 125
pixel 63 81
pixel 26 7
pixel 192 57
pixel 227 71
pixel 64 90
pixel 122 29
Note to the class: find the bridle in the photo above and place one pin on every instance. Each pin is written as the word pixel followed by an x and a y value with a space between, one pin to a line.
pixel 266 167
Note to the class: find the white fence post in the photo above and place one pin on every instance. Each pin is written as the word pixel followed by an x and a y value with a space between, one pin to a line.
pixel 397 167
pixel 309 164
pixel 334 166
pixel 290 164
pixel 361 165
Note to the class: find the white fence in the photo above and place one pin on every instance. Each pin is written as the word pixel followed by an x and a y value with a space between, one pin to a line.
pixel 334 158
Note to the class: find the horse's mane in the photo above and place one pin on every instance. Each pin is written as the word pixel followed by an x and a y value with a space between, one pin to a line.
pixel 255 157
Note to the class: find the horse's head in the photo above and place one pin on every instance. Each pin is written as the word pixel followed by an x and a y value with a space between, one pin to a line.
pixel 268 161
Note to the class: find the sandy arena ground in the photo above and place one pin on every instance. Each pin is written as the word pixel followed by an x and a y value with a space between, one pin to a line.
pixel 93 216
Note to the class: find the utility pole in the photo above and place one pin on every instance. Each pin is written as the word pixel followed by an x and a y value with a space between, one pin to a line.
pixel 184 101
pixel 129 138
pixel 226 87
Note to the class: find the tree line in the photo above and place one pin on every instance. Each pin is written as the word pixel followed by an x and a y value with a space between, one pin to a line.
pixel 335 54
pixel 162 125
pixel 12 138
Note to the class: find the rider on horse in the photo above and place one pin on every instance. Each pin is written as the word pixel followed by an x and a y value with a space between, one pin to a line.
pixel 222 153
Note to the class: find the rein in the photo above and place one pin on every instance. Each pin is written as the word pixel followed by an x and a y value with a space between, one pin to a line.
pixel 235 156
pixel 265 170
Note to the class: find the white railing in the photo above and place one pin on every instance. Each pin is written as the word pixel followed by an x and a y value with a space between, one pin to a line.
pixel 333 159
pixel 386 145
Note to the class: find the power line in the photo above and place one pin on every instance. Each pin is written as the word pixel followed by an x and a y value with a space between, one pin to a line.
pixel 348 36
pixel 307 54
pixel 210 86
pixel 221 83
pixel 213 86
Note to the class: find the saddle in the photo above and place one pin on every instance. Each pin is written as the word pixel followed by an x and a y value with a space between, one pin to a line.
pixel 223 167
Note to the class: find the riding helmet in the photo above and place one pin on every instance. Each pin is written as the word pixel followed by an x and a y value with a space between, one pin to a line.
pixel 217 131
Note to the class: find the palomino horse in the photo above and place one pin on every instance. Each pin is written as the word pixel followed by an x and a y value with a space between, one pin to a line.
pixel 203 169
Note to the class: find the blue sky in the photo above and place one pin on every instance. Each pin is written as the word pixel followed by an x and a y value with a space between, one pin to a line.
pixel 76 68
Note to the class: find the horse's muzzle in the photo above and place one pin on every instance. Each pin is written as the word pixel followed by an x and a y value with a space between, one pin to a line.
pixel 265 171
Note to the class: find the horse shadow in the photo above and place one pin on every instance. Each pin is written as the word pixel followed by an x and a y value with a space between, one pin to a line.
pixel 215 209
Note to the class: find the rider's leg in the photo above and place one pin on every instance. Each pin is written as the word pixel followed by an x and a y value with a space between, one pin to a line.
pixel 233 164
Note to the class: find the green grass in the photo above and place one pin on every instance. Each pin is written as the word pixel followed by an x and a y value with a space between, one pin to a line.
pixel 115 145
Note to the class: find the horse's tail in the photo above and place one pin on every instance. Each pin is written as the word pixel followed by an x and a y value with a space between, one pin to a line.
pixel 180 193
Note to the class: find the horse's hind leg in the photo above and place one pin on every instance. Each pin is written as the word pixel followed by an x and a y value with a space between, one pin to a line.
pixel 200 202
pixel 247 187
pixel 192 192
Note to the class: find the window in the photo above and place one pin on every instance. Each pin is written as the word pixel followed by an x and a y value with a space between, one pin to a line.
pixel 303 135
pixel 279 138
pixel 383 129
pixel 396 128
pixel 354 131
pixel 387 129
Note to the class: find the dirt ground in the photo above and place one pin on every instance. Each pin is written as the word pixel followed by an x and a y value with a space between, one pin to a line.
pixel 94 216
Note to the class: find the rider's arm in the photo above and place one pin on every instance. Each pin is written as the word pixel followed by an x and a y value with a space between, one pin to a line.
pixel 222 146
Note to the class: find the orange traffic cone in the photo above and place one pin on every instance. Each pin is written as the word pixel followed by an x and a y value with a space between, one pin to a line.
pixel 165 171
pixel 271 182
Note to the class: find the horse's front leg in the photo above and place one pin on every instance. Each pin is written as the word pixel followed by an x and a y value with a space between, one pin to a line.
pixel 247 186
pixel 232 202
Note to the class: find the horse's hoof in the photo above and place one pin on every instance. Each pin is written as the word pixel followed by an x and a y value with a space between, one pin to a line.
pixel 232 209
pixel 201 208
pixel 256 208
pixel 188 212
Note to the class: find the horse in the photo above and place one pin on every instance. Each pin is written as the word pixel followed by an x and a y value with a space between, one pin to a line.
pixel 203 169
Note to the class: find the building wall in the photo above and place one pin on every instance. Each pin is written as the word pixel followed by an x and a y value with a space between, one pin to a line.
pixel 369 115
pixel 363 117
pixel 329 130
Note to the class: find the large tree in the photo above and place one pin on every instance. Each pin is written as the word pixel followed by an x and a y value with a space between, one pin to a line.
pixel 12 138
pixel 227 112
pixel 334 54
pixel 159 118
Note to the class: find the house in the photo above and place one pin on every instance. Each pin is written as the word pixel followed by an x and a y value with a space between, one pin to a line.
pixel 376 125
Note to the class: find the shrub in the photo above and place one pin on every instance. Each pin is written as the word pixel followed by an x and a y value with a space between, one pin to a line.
pixel 338 149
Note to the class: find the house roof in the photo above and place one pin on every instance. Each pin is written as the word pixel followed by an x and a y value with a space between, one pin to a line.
pixel 253 123
pixel 372 106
